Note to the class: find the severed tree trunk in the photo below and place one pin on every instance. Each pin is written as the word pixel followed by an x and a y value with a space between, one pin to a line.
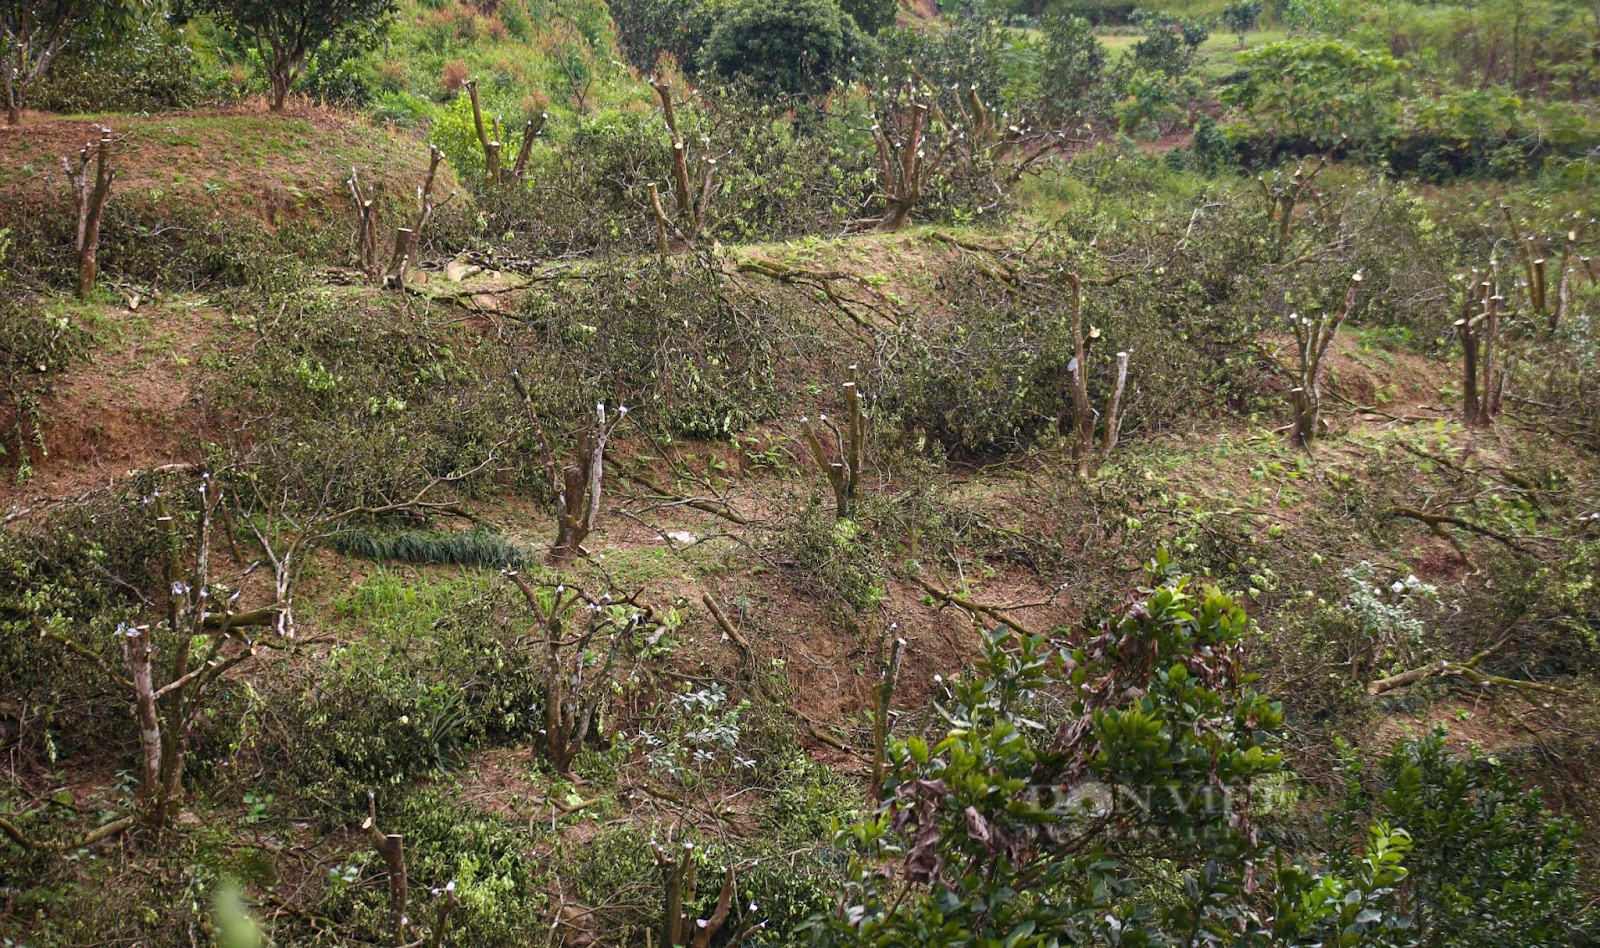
pixel 1486 367
pixel 883 698
pixel 366 205
pixel 491 144
pixel 91 182
pixel 1112 432
pixel 1472 415
pixel 1084 452
pixel 407 240
pixel 136 654
pixel 677 890
pixel 491 141
pixel 391 846
pixel 693 183
pixel 844 474
pixel 1284 196
pixel 903 163
pixel 1313 337
pixel 580 487
pixel 530 134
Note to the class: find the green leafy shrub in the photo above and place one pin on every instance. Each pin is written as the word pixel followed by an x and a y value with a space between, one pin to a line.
pixel 1241 17
pixel 149 67
pixel 1456 133
pixel 1160 739
pixel 1489 865
pixel 441 672
pixel 1318 91
pixel 793 47
pixel 1318 16
pixel 488 860
pixel 1154 102
pixel 1099 12
pixel 991 805
pixel 1072 80
pixel 650 29
pixel 871 15
pixel 1170 44
pixel 687 351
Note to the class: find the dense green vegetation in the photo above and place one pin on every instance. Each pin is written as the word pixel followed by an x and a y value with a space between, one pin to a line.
pixel 840 472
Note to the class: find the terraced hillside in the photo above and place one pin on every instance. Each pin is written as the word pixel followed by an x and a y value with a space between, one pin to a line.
pixel 684 552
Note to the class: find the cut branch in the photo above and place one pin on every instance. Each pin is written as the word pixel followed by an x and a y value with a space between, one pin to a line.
pixel 114 828
pixel 950 597
pixel 366 205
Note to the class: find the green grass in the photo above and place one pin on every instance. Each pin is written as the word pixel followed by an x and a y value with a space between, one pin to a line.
pixel 516 51
pixel 478 548
pixel 225 157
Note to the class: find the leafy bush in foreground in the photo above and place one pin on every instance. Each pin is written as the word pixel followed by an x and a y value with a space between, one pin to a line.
pixel 1005 833
pixel 1490 865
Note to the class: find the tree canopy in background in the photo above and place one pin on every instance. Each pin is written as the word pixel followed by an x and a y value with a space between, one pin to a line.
pixel 285 34
pixel 792 47
pixel 34 32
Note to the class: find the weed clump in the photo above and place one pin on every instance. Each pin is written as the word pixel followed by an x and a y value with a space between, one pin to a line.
pixel 484 549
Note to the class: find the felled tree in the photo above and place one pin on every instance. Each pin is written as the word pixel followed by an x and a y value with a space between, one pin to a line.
pixel 693 180
pixel 581 484
pixel 1313 337
pixel 407 240
pixel 491 139
pixel 1534 251
pixel 911 144
pixel 843 464
pixel 1084 451
pixel 34 32
pixel 285 33
pixel 90 191
pixel 366 206
pixel 1485 368
pixel 677 890
pixel 582 635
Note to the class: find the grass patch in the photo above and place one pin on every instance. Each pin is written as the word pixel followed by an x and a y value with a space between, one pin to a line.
pixel 481 548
